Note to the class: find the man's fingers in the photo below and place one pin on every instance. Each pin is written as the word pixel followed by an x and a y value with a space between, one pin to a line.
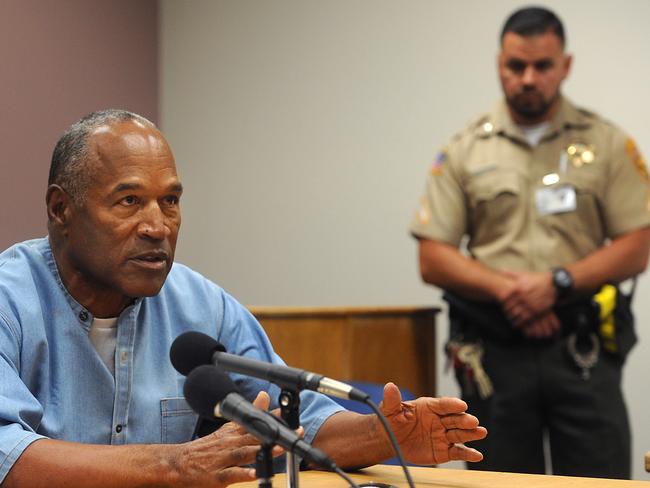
pixel 392 402
pixel 232 435
pixel 511 274
pixel 518 313
pixel 536 331
pixel 460 452
pixel 262 401
pixel 545 326
pixel 233 475
pixel 241 455
pixel 220 459
pixel 229 429
pixel 466 435
pixel 277 450
pixel 459 421
pixel 445 407
pixel 555 323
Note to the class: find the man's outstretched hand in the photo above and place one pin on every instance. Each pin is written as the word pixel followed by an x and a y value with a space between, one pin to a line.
pixel 432 430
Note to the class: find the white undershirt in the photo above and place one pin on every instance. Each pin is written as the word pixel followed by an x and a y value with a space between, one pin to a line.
pixel 534 133
pixel 103 336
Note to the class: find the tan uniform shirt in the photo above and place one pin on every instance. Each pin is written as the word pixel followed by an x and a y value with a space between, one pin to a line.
pixel 514 200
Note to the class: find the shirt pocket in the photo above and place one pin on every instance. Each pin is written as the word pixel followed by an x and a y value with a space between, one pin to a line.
pixel 495 202
pixel 177 420
pixel 587 216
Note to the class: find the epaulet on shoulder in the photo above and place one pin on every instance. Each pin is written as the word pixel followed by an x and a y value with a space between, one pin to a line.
pixel 593 117
pixel 587 113
pixel 481 126
pixel 475 127
pixel 596 118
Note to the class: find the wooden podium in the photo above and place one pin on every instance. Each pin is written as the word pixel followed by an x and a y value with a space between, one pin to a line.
pixel 449 478
pixel 369 344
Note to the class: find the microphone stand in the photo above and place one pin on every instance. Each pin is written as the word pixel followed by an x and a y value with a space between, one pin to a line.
pixel 290 411
pixel 264 466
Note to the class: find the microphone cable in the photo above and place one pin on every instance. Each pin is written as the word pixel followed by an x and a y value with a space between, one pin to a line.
pixel 345 476
pixel 393 441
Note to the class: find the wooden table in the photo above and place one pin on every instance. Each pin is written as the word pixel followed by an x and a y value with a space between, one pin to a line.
pixel 450 478
pixel 369 344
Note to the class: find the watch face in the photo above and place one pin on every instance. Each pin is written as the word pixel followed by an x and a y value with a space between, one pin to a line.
pixel 562 279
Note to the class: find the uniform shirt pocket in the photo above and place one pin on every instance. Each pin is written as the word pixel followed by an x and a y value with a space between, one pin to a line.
pixel 177 420
pixel 587 217
pixel 495 201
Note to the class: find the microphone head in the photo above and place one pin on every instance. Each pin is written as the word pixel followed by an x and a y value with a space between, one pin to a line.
pixel 206 386
pixel 192 349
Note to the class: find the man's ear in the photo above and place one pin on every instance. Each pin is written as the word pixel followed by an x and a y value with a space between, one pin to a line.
pixel 58 203
pixel 568 62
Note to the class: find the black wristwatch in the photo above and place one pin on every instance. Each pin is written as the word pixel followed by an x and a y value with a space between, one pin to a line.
pixel 562 281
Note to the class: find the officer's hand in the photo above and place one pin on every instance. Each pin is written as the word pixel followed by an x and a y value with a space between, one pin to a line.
pixel 542 327
pixel 531 295
pixel 216 460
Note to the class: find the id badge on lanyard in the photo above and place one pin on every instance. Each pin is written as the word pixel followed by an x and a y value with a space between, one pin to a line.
pixel 556 198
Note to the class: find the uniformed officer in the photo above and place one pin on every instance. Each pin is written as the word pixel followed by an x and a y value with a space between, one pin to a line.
pixel 554 201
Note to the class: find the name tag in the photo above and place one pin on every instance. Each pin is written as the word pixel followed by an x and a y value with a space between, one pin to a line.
pixel 557 199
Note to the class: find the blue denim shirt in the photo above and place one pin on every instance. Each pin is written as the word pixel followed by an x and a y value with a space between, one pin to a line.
pixel 54 384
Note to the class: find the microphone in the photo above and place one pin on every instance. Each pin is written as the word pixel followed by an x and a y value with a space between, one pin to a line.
pixel 192 349
pixel 211 393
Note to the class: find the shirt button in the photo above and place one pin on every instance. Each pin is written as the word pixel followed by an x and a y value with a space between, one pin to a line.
pixel 83 315
pixel 124 356
pixel 118 429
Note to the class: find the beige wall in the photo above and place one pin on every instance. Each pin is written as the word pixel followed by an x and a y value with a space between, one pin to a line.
pixel 303 131
pixel 61 60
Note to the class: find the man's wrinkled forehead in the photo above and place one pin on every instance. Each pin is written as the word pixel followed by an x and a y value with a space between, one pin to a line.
pixel 130 153
pixel 129 136
pixel 128 140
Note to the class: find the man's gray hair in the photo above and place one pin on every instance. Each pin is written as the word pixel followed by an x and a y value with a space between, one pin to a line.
pixel 68 168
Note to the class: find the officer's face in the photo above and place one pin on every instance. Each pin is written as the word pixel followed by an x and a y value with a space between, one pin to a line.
pixel 532 69
pixel 120 240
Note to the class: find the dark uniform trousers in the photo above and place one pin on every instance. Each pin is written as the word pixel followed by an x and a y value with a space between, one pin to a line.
pixel 538 388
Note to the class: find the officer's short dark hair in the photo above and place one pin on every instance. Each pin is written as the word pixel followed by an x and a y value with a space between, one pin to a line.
pixel 68 167
pixel 533 21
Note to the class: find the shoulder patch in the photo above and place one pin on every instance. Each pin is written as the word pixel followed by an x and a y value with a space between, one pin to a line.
pixel 635 156
pixel 424 213
pixel 439 162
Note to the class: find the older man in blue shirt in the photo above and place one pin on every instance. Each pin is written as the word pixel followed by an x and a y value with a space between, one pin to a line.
pixel 88 396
